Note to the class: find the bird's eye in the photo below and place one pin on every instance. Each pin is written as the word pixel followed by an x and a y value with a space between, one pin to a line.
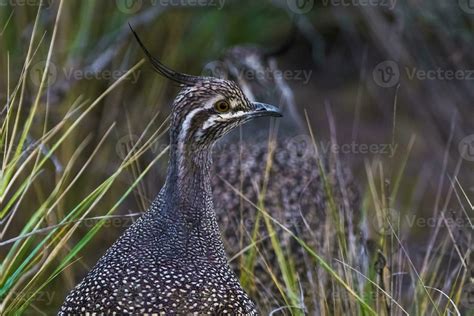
pixel 222 106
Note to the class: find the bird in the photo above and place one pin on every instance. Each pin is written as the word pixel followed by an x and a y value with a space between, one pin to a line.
pixel 295 187
pixel 172 261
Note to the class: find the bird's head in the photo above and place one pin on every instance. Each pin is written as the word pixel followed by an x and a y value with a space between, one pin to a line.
pixel 207 108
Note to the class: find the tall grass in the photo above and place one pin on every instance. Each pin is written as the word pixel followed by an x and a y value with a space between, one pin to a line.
pixel 44 245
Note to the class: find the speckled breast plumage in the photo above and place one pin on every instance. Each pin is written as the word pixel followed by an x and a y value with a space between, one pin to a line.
pixel 138 276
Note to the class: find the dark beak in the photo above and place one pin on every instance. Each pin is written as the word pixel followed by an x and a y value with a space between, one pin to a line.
pixel 262 109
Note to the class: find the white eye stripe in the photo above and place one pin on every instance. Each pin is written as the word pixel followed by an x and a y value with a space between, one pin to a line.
pixel 221 117
pixel 232 114
pixel 210 121
pixel 187 123
pixel 183 132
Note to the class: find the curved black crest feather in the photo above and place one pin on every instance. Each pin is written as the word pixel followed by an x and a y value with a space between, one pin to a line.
pixel 169 73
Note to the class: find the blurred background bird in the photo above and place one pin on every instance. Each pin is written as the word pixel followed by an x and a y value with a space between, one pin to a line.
pixel 282 172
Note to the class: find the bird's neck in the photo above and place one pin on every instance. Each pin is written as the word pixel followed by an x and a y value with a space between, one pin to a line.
pixel 188 212
pixel 189 176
